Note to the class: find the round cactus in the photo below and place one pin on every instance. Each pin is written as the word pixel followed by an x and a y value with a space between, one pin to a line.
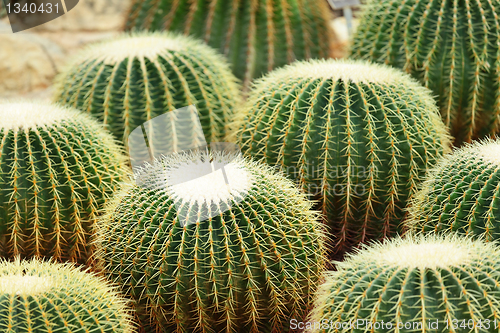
pixel 129 80
pixel 46 297
pixel 255 35
pixel 58 168
pixel 462 193
pixel 450 46
pixel 248 265
pixel 416 284
pixel 356 136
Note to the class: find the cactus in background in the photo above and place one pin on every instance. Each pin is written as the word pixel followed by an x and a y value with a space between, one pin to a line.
pixel 248 268
pixel 429 284
pixel 450 46
pixel 255 35
pixel 356 136
pixel 462 193
pixel 43 297
pixel 129 80
pixel 58 167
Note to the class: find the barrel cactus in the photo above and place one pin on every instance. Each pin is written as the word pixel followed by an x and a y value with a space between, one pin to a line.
pixel 462 193
pixel 450 46
pixel 415 284
pixel 133 78
pixel 248 267
pixel 46 297
pixel 255 35
pixel 58 168
pixel 356 136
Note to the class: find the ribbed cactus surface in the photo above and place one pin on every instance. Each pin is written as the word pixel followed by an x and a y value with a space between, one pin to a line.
pixel 43 297
pixel 255 35
pixel 418 284
pixel 58 168
pixel 462 193
pixel 250 267
pixel 357 137
pixel 131 79
pixel 450 46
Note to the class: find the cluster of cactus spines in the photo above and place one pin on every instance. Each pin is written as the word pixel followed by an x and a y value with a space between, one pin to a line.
pixel 58 168
pixel 248 268
pixel 462 193
pixel 255 35
pixel 133 78
pixel 450 46
pixel 415 284
pixel 45 297
pixel 359 137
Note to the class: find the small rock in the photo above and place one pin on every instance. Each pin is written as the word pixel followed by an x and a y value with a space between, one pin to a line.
pixel 27 62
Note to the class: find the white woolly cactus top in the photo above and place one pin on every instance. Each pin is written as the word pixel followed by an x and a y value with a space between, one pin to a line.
pixel 490 151
pixel 140 45
pixel 419 251
pixel 28 114
pixel 24 284
pixel 36 277
pixel 344 69
pixel 191 177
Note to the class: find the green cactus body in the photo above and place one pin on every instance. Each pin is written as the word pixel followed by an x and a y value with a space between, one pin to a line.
pixel 129 80
pixel 416 284
pixel 358 137
pixel 249 268
pixel 462 193
pixel 58 167
pixel 255 35
pixel 450 46
pixel 43 297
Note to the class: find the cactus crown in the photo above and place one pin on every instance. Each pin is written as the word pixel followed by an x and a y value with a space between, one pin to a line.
pixel 490 151
pixel 15 115
pixel 24 284
pixel 416 252
pixel 343 69
pixel 184 176
pixel 136 45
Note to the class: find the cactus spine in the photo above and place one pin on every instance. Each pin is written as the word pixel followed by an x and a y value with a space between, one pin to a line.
pixel 248 268
pixel 450 46
pixel 129 80
pixel 462 193
pixel 255 35
pixel 356 136
pixel 45 297
pixel 416 284
pixel 57 169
